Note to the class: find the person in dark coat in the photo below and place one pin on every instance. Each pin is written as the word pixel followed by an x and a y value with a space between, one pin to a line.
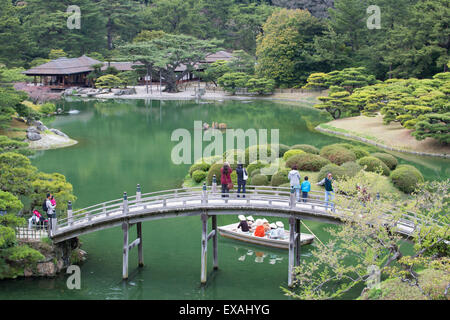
pixel 243 224
pixel 242 176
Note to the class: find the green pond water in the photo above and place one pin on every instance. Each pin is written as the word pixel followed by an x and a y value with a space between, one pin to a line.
pixel 123 143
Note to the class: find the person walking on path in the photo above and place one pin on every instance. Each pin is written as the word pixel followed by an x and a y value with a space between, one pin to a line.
pixel 242 177
pixel 305 187
pixel 294 179
pixel 329 192
pixel 225 178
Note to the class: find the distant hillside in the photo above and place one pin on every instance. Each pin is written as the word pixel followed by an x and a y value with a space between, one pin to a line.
pixel 318 8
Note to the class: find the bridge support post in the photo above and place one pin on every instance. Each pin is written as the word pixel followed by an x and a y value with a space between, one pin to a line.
pixel 139 236
pixel 292 249
pixel 125 228
pixel 204 217
pixel 215 255
pixel 297 242
pixel 69 213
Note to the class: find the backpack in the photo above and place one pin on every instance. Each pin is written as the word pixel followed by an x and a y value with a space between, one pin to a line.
pixel 44 206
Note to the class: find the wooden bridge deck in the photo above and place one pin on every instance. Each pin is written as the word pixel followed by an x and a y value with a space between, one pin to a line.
pixel 207 202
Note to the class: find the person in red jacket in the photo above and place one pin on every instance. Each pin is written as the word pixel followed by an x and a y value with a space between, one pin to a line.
pixel 259 232
pixel 225 178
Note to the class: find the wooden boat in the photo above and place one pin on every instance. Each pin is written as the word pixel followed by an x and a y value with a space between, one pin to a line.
pixel 231 231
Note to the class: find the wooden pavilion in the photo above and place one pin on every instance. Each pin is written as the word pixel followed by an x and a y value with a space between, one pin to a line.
pixel 64 72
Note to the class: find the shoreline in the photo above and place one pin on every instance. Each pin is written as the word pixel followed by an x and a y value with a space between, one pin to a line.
pixel 50 141
pixel 380 145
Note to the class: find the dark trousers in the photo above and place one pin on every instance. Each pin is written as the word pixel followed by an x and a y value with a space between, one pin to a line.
pixel 241 184
pixel 225 190
pixel 304 196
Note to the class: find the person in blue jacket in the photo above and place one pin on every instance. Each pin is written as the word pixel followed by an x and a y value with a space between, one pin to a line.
pixel 305 187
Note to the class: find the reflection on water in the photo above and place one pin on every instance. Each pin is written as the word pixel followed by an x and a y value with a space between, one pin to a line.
pixel 261 256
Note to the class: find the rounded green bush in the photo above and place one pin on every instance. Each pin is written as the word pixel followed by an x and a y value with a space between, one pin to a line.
pixel 282 148
pixel 199 175
pixel 337 155
pixel 257 150
pixel 285 185
pixel 351 168
pixel 203 166
pixel 255 172
pixel 306 147
pixel 307 162
pixel 387 158
pixel 337 172
pixel 406 178
pixel 259 180
pixel 358 151
pixel 279 178
pixel 374 164
pixel 7 236
pixel 214 170
pixel 255 165
pixel 291 153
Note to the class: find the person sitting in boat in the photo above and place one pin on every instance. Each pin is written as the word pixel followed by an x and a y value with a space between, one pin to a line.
pixel 273 231
pixel 280 234
pixel 259 231
pixel 266 225
pixel 243 224
pixel 250 221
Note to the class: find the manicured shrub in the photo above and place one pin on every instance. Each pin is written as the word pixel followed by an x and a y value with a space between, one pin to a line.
pixel 351 168
pixel 257 151
pixel 282 148
pixel 259 180
pixel 203 166
pixel 374 164
pixel 255 165
pixel 358 151
pixel 291 153
pixel 337 155
pixel 255 172
pixel 199 175
pixel 306 147
pixel 337 171
pixel 387 158
pixel 7 236
pixel 406 178
pixel 214 170
pixel 280 177
pixel 285 185
pixel 307 162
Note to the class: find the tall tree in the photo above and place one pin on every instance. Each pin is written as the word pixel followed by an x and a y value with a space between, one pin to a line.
pixel 285 50
pixel 11 35
pixel 167 53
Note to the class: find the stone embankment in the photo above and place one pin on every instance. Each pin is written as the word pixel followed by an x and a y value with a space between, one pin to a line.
pixel 41 137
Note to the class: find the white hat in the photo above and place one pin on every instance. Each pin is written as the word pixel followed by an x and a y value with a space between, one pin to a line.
pixel 280 224
pixel 259 222
pixel 259 259
pixel 241 217
pixel 273 225
pixel 264 220
pixel 250 218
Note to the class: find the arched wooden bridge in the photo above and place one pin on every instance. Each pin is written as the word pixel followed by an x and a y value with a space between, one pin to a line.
pixel 205 202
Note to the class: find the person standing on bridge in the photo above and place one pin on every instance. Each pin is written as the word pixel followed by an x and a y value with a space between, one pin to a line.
pixel 294 179
pixel 329 192
pixel 242 177
pixel 225 178
pixel 306 187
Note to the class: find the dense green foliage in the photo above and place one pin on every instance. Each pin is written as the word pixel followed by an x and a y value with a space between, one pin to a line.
pixel 374 165
pixel 387 158
pixel 307 148
pixel 337 154
pixel 291 153
pixel 307 162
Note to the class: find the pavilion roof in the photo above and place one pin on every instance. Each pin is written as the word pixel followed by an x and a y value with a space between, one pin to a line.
pixel 64 66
